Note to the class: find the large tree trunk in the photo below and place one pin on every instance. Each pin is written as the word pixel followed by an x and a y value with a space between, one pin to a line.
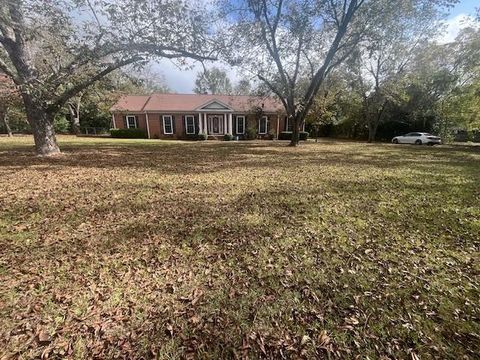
pixel 372 132
pixel 42 127
pixel 373 126
pixel 295 132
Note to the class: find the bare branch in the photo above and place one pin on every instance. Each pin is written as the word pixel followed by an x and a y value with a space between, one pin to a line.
pixel 274 89
pixel 94 13
pixel 321 73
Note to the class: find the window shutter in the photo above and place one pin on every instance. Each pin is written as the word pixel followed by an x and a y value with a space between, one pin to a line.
pixel 184 125
pixel 173 124
pixel 125 125
pixel 234 124
pixel 136 122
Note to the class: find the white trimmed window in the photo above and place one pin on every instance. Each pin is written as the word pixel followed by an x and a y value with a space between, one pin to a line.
pixel 263 125
pixel 190 124
pixel 240 124
pixel 131 122
pixel 167 124
pixel 288 125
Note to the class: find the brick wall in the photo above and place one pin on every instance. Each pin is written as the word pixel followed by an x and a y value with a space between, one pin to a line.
pixel 155 121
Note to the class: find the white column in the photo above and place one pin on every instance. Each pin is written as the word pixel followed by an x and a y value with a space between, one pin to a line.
pixel 225 130
pixel 200 123
pixel 206 123
pixel 113 121
pixel 278 125
pixel 230 122
pixel 148 126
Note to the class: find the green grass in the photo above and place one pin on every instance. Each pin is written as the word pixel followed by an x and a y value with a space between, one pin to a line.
pixel 156 249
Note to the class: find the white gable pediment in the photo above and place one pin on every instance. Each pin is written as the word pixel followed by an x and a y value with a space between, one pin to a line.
pixel 215 105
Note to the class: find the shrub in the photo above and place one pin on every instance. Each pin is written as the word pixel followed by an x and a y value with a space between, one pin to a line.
pixel 228 137
pixel 202 136
pixel 128 133
pixel 287 135
pixel 61 124
pixel 251 133
pixel 271 134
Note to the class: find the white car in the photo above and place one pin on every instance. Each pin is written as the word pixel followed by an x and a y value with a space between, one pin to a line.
pixel 417 138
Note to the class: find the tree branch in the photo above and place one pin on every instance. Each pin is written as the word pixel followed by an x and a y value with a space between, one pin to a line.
pixel 272 42
pixel 8 70
pixel 94 13
pixel 274 89
pixel 71 92
pixel 321 73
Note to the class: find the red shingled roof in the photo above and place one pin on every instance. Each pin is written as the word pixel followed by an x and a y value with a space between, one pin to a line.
pixel 130 103
pixel 192 102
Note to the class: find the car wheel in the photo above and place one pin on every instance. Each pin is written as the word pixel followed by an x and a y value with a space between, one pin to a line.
pixel 395 141
pixel 418 142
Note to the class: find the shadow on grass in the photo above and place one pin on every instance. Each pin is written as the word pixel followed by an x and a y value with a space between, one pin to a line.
pixel 185 157
pixel 162 272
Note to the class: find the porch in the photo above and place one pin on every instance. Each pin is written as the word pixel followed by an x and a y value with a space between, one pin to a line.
pixel 214 124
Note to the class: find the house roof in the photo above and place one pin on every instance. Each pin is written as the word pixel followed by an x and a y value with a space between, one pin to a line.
pixel 130 103
pixel 194 102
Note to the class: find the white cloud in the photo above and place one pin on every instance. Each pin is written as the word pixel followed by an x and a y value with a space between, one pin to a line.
pixel 453 27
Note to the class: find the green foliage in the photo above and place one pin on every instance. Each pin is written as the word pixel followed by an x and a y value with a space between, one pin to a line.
pixel 202 136
pixel 197 137
pixel 228 137
pixel 61 124
pixel 271 134
pixel 287 135
pixel 95 111
pixel 213 81
pixel 128 133
pixel 251 133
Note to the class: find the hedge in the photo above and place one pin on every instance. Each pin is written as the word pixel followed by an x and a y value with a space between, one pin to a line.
pixel 202 136
pixel 250 134
pixel 128 133
pixel 287 135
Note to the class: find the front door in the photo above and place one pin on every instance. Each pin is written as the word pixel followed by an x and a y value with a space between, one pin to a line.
pixel 215 124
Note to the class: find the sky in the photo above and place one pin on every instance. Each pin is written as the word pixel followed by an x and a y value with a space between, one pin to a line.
pixel 183 80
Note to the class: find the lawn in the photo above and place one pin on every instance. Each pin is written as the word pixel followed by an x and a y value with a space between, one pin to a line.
pixel 156 249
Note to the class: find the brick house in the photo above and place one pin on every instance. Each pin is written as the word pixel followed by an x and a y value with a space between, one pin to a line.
pixel 180 116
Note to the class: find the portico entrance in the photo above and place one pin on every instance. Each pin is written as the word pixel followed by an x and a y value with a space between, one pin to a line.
pixel 216 124
pixel 215 118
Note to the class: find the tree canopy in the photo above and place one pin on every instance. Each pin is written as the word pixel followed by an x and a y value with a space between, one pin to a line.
pixel 213 81
pixel 54 50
